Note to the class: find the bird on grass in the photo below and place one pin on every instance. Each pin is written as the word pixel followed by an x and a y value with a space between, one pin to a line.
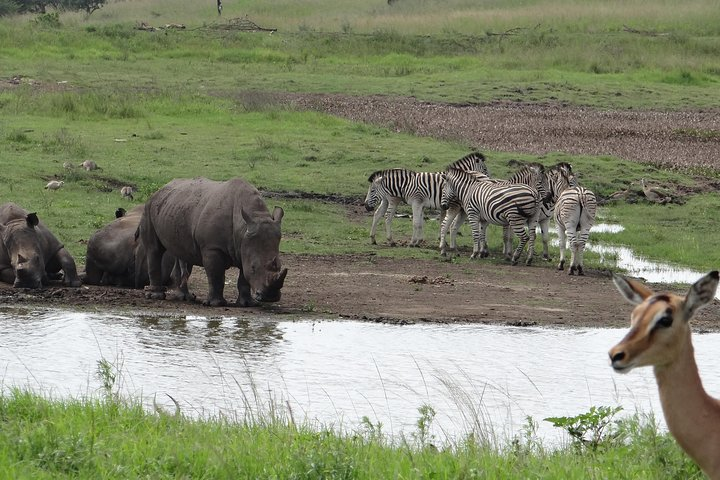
pixel 127 192
pixel 653 194
pixel 54 184
pixel 89 165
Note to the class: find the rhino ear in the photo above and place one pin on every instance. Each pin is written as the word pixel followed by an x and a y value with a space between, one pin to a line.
pixel 32 220
pixel 252 227
pixel 278 214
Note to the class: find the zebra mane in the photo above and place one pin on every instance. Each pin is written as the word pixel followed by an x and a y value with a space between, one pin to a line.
pixel 563 166
pixel 474 157
pixel 464 175
pixel 379 173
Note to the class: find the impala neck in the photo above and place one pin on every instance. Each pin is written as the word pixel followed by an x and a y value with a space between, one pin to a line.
pixel 692 416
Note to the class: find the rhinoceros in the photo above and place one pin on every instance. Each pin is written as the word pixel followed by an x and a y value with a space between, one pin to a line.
pixel 30 254
pixel 217 225
pixel 115 254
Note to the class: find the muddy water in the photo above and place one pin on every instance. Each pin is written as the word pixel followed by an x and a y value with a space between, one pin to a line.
pixel 482 379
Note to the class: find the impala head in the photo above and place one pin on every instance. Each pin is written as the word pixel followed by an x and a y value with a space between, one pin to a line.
pixel 659 327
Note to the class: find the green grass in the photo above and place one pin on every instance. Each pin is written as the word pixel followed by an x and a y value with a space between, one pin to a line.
pixel 147 140
pixel 108 437
pixel 568 51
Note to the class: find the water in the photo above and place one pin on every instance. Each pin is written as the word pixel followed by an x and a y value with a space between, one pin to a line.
pixel 478 378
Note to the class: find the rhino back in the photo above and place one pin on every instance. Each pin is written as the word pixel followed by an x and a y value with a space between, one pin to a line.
pixel 112 247
pixel 189 215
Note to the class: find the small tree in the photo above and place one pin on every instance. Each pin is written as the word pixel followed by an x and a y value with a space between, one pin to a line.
pixel 89 6
pixel 8 7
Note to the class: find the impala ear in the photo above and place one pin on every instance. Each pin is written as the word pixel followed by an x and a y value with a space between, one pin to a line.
pixel 633 291
pixel 701 293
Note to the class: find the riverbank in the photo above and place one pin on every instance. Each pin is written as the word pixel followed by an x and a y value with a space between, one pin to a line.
pixel 375 288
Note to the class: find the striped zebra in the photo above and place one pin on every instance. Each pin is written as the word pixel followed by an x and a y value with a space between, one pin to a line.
pixel 559 177
pixel 388 188
pixel 486 202
pixel 532 175
pixel 574 216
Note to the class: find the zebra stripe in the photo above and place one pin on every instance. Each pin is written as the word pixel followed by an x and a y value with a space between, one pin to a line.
pixel 532 175
pixel 499 203
pixel 388 188
pixel 559 178
pixel 574 216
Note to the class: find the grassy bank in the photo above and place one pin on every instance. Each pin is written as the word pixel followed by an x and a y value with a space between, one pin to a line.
pixel 146 140
pixel 111 438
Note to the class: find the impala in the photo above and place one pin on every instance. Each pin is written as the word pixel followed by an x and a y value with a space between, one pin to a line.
pixel 659 336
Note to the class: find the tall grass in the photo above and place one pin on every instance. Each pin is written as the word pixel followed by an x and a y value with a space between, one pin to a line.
pixel 110 437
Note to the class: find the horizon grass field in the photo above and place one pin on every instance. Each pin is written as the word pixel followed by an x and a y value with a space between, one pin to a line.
pixel 152 106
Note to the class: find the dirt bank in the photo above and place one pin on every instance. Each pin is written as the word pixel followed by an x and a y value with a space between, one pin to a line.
pixel 372 288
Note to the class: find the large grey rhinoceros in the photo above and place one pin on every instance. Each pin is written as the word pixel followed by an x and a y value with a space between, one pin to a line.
pixel 217 225
pixel 29 253
pixel 115 254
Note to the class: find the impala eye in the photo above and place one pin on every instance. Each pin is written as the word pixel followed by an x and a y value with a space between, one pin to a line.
pixel 664 322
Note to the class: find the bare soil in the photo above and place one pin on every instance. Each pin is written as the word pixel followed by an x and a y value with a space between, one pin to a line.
pixel 373 288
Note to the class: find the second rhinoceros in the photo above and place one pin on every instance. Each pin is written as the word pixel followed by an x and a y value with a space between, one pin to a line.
pixel 115 256
pixel 29 253
pixel 216 225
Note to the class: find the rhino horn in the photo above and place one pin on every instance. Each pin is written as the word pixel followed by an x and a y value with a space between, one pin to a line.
pixel 21 258
pixel 32 220
pixel 278 281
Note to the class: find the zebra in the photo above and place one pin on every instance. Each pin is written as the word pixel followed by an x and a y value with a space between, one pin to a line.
pixel 499 203
pixel 574 216
pixel 419 189
pixel 532 175
pixel 559 177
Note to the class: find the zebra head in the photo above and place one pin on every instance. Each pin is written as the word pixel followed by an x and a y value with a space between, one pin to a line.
pixel 474 161
pixel 449 191
pixel 373 195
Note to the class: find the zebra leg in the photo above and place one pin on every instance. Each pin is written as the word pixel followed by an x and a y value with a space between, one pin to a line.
pixel 448 222
pixel 581 240
pixel 457 223
pixel 478 234
pixel 532 233
pixel 379 212
pixel 562 238
pixel 519 228
pixel 544 225
pixel 417 236
pixel 573 241
pixel 393 204
pixel 507 242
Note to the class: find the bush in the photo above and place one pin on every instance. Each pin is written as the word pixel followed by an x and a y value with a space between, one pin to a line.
pixel 8 7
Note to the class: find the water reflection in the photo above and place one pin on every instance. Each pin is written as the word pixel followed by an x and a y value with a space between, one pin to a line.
pixel 482 379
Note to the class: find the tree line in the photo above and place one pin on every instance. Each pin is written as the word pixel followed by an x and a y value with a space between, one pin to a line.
pixel 11 7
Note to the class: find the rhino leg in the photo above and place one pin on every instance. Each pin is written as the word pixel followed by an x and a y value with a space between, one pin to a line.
pixel 245 298
pixel 93 273
pixel 179 279
pixel 7 274
pixel 214 265
pixel 67 264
